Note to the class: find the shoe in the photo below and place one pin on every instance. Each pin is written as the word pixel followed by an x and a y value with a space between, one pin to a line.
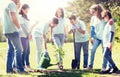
pixel 28 69
pixel 115 70
pixel 103 69
pixel 78 66
pixel 15 70
pixel 23 72
pixel 60 66
pixel 85 69
pixel 106 71
pixel 89 68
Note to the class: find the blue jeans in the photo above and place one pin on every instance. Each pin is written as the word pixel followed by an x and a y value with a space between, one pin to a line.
pixel 26 51
pixel 108 57
pixel 78 47
pixel 96 43
pixel 59 41
pixel 14 42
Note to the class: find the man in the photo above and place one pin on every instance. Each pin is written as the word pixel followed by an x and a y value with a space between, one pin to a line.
pixel 11 31
pixel 81 40
pixel 39 33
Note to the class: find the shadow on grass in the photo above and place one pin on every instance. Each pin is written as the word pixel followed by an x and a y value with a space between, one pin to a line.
pixel 66 73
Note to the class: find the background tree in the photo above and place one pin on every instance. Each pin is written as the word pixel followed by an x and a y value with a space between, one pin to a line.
pixel 80 8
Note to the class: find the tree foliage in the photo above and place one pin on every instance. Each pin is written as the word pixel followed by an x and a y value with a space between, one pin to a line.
pixel 80 8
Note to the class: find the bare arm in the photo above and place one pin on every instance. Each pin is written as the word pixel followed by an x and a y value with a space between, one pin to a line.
pixel 81 31
pixel 44 39
pixel 51 40
pixel 14 19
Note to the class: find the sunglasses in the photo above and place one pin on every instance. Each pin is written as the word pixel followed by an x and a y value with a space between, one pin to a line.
pixel 104 16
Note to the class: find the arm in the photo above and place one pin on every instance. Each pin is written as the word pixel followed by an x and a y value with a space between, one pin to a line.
pixel 81 31
pixel 14 19
pixel 111 39
pixel 44 39
pixel 51 40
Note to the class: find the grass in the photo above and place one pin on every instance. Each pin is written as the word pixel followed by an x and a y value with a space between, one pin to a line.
pixel 69 55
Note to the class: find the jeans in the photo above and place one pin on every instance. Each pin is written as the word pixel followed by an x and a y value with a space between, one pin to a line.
pixel 38 43
pixel 14 48
pixel 59 41
pixel 78 47
pixel 107 56
pixel 26 51
pixel 96 43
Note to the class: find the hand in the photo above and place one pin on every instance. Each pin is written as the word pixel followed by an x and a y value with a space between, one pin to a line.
pixel 81 31
pixel 30 37
pixel 51 39
pixel 110 46
pixel 66 40
pixel 92 40
pixel 71 31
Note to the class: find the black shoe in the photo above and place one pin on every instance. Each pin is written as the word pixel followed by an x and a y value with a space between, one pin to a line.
pixel 106 71
pixel 115 70
pixel 78 67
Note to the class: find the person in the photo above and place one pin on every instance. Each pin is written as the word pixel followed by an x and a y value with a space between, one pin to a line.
pixel 11 31
pixel 108 38
pixel 24 22
pixel 58 34
pixel 81 40
pixel 97 26
pixel 39 36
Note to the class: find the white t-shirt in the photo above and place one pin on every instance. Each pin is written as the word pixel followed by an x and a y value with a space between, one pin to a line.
pixel 107 33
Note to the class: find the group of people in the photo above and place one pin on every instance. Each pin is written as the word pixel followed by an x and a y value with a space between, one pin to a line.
pixel 18 30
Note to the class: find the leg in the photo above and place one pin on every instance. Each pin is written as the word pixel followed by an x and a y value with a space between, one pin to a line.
pixel 95 46
pixel 77 52
pixel 10 57
pixel 28 53
pixel 38 44
pixel 104 65
pixel 107 55
pixel 16 41
pixel 85 51
pixel 24 45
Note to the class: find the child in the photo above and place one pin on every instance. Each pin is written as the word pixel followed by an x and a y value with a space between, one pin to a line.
pixel 108 36
pixel 81 40
pixel 39 36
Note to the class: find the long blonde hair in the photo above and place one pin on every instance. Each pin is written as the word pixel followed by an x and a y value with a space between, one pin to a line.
pixel 97 8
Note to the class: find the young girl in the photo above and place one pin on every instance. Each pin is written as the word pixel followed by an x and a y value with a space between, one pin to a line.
pixel 97 26
pixel 24 22
pixel 39 36
pixel 108 36
pixel 58 33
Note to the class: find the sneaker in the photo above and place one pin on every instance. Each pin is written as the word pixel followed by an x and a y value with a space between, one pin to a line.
pixel 28 69
pixel 103 69
pixel 106 71
pixel 115 70
pixel 85 69
pixel 89 68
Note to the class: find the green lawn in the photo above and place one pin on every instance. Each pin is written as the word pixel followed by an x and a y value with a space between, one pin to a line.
pixel 69 55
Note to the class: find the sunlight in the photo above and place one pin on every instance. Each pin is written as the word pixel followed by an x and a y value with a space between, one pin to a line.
pixel 42 10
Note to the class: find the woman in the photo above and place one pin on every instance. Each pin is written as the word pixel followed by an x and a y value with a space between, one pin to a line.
pixel 24 22
pixel 58 33
pixel 108 36
pixel 97 26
